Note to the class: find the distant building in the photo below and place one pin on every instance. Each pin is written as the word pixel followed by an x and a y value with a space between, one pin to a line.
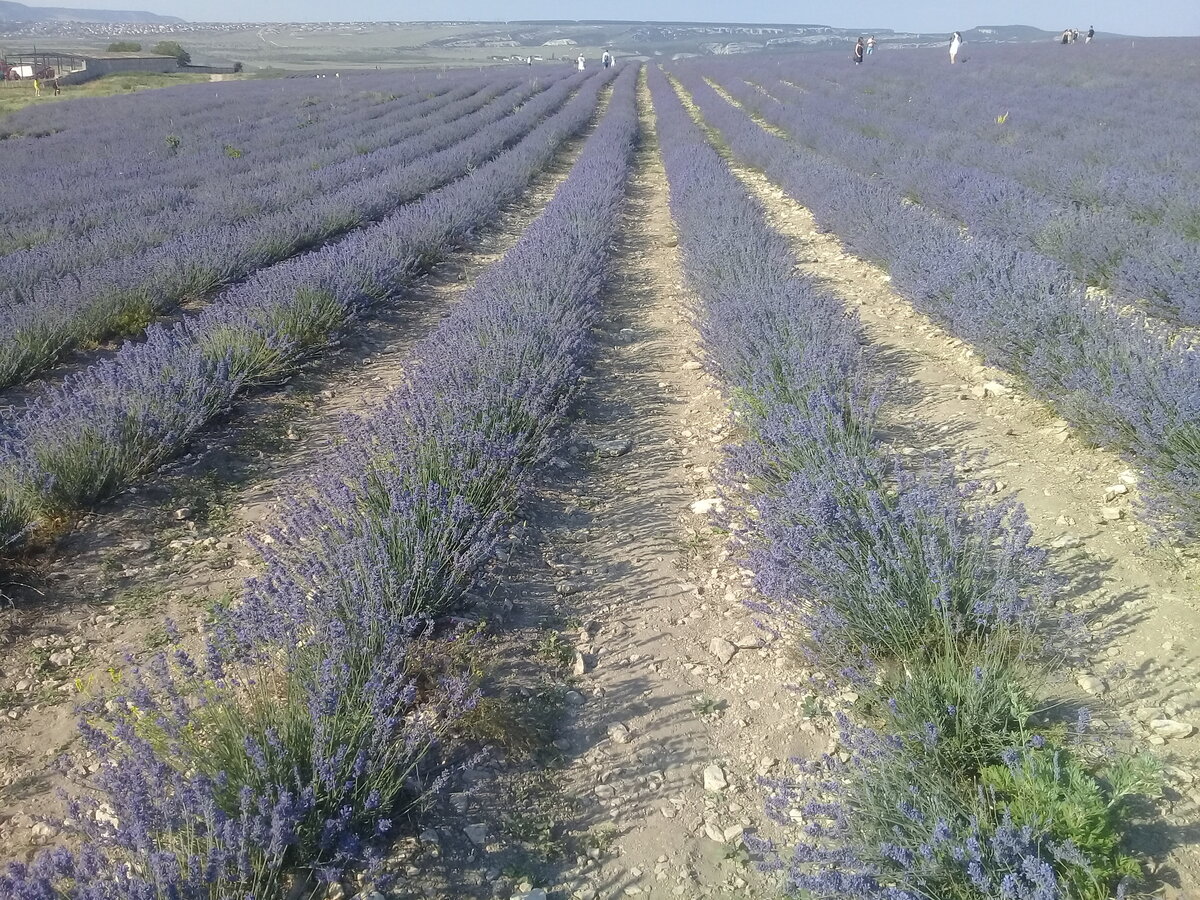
pixel 75 68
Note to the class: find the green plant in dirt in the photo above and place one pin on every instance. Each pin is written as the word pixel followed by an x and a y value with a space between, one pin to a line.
pixel 1079 810
pixel 233 152
pixel 159 636
pixel 521 724
pixel 209 496
pixel 537 811
pixel 173 141
pixel 140 601
pixel 706 707
pixel 554 648
pixel 602 838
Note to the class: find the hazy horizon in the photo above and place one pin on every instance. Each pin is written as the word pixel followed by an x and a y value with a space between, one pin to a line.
pixel 1158 18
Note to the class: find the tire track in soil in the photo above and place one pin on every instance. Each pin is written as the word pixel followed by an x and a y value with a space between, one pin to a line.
pixel 615 548
pixel 1142 605
pixel 116 576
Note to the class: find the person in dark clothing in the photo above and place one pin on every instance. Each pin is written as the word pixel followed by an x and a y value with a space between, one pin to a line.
pixel 1091 34
pixel 858 52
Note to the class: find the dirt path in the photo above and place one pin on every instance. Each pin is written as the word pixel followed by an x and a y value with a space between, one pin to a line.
pixel 664 733
pixel 172 547
pixel 1141 603
pixel 664 714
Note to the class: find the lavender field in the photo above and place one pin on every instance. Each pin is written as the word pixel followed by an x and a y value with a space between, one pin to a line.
pixel 754 476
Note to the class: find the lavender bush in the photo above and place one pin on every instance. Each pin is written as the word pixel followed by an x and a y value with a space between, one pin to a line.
pixel 191 252
pixel 852 546
pixel 280 764
pixel 118 420
pixel 1063 186
pixel 1125 385
pixel 890 823
pixel 903 583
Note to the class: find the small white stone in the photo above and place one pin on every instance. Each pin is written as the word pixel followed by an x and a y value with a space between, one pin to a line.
pixel 722 649
pixel 714 778
pixel 1092 684
pixel 707 505
pixel 619 734
pixel 1171 729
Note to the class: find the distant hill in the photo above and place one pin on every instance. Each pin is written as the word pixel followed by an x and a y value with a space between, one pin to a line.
pixel 1008 33
pixel 19 12
pixel 701 38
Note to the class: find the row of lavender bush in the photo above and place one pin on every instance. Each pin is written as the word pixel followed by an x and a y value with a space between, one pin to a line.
pixel 1059 123
pixel 1122 384
pixel 124 295
pixel 281 765
pixel 124 149
pixel 104 428
pixel 899 583
pixel 259 181
pixel 1129 253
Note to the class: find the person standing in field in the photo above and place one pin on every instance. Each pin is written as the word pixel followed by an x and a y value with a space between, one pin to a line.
pixel 579 62
pixel 37 88
pixel 956 43
pixel 870 45
pixel 606 59
pixel 57 89
pixel 1091 34
pixel 858 52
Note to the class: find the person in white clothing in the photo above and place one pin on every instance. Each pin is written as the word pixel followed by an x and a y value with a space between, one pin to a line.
pixel 956 43
pixel 580 62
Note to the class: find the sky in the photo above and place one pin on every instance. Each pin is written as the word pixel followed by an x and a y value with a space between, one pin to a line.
pixel 1145 17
